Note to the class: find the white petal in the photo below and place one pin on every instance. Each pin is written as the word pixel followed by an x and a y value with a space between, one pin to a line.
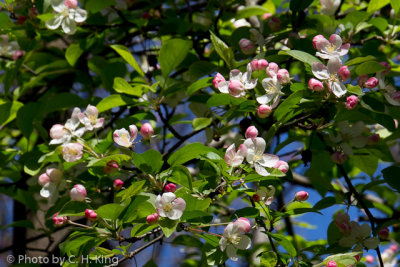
pixel 69 26
pixel 235 75
pixel 322 55
pixel 347 241
pixel 371 243
pixel 121 137
pixel 168 197
pixel 269 160
pixel 244 243
pixel 80 15
pixel 223 87
pixel 54 22
pixel 334 65
pixel 338 89
pixel 231 252
pixel 58 5
pixel 48 189
pixel 365 230
pixel 261 170
pixel 222 243
pixel 259 144
pixel 320 71
pixel 263 100
pixel 346 149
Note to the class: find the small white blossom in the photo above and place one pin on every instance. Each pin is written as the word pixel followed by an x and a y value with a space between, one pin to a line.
pixel 360 235
pixel 169 206
pixel 90 118
pixel 233 239
pixel 238 83
pixel 233 158
pixel 256 156
pixel 272 88
pixel 330 75
pixel 123 138
pixel 332 48
pixel 266 194
pixel 68 15
pixel 329 7
pixel 64 136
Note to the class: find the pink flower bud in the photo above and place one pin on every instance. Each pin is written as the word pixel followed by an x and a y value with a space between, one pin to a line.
pixel 384 233
pixel 235 88
pixel 57 131
pixel 71 3
pixel 247 46
pixel 18 54
pixel 357 257
pixel 256 198
pixel 362 80
pixel 318 41
pixel 315 85
pixel 91 215
pixel 283 166
pixel 373 139
pixel 371 83
pixel 272 69
pixel 251 132
pixel 171 187
pixel 263 111
pixel 266 16
pixel 394 248
pixel 217 79
pixel 369 259
pixel 58 221
pixel 244 224
pixel 301 196
pixel 283 76
pixel 387 66
pixel 111 167
pixel 152 218
pixel 344 73
pixel 331 264
pixel 351 102
pixel 78 193
pixel 258 64
pixel 54 174
pixel 147 131
pixel 43 179
pixel 118 183
pixel 274 24
pixel 338 157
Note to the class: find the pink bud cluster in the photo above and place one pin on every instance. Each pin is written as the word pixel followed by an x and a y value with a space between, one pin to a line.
pixel 118 184
pixel 152 218
pixel 248 47
pixel 91 215
pixel 171 187
pixel 365 82
pixel 78 193
pixel 301 196
pixel 58 220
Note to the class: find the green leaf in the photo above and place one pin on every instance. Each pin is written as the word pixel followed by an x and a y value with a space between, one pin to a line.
pixel 73 208
pixel 150 161
pixel 369 68
pixel 113 101
pixel 249 11
pixel 168 226
pixel 110 211
pixel 94 6
pixel 201 123
pixel 297 6
pixel 72 54
pixel 22 223
pixel 375 5
pixel 286 244
pixel 26 117
pixel 189 152
pixel 284 109
pixel 223 51
pixel 142 228
pixel 188 241
pixel 131 191
pixel 100 252
pixel 345 259
pixel 5 22
pixel 391 176
pixel 181 175
pixel 119 158
pixel 301 56
pixel 325 203
pixel 246 212
pixel 127 56
pixel 200 84
pixel 297 87
pixel 354 89
pixel 172 53
pixel 123 87
pixel 269 259
pixel 8 112
pixel 380 23
pixel 396 5
pixel 359 60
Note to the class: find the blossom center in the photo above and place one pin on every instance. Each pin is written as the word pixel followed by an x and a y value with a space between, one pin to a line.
pixel 234 239
pixel 93 119
pixel 331 48
pixel 168 206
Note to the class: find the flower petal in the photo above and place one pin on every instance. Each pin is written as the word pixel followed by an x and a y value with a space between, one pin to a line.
pixel 168 197
pixel 223 87
pixel 231 252
pixel 235 75
pixel 338 89
pixel 261 170
pixel 244 243
pixel 80 15
pixel 269 160
pixel 54 22
pixel 69 26
pixel 320 71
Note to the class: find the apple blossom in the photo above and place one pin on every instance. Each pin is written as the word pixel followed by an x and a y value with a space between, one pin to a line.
pixel 244 224
pixel 369 258
pixel 49 189
pixel 338 157
pixel 233 158
pixel 57 131
pixel 217 79
pixel 387 66
pixel 171 187
pixel 233 239
pixel 91 215
pixel 391 94
pixel 152 218
pixel 263 111
pixel 331 264
pixel 78 193
pixel 258 64
pixel 332 48
pixel 118 183
pixel 283 166
pixel 69 130
pixel 90 118
pixel 362 80
pixel 301 196
pixel 72 152
pixel 238 83
pixel 272 89
pixel 315 85
pixel 330 75
pixel 68 14
pixel 371 83
pixel 256 156
pixel 123 138
pixel 146 131
pixel 59 220
pixel 329 7
pixel 111 167
pixel 247 46
pixel 319 42
pixel 351 102
pixel 43 179
pixel 18 54
pixel 266 194
pixel 251 132
pixel 349 135
pixel 169 206
pixel 384 233
pixel 7 47
pixel 344 73
pixel 389 256
pixel 272 69
pixel 283 76
pixel 359 236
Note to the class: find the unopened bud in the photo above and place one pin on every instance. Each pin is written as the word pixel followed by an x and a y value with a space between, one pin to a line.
pixel 147 131
pixel 171 187
pixel 384 233
pixel 344 73
pixel 152 218
pixel 247 46
pixel 263 111
pixel 301 196
pixel 91 215
pixel 371 83
pixel 111 167
pixel 351 102
pixel 118 183
pixel 338 157
pixel 315 85
pixel 217 79
pixel 251 132
pixel 78 193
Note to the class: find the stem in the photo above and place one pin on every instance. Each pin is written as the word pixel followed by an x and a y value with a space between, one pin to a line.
pixel 202 231
pixel 210 225
pixel 79 225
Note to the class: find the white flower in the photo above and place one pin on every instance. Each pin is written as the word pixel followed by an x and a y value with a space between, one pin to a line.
pixel 256 156
pixel 233 158
pixel 7 48
pixel 238 83
pixel 70 130
pixel 272 89
pixel 233 239
pixel 330 75
pixel 123 138
pixel 169 206
pixel 332 48
pixel 90 118
pixel 391 94
pixel 349 136
pixel 72 152
pixel 359 235
pixel 266 194
pixel 329 7
pixel 68 15
pixel 48 189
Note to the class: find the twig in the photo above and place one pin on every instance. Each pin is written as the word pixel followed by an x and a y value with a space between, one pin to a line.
pixel 136 251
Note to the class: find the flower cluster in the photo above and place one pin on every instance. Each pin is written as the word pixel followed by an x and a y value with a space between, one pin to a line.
pixel 127 139
pixel 234 237
pixel 168 205
pixel 68 14
pixel 49 181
